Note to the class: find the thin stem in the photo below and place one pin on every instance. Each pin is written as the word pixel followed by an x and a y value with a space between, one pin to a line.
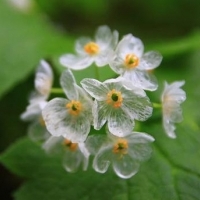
pixel 57 91
pixel 157 105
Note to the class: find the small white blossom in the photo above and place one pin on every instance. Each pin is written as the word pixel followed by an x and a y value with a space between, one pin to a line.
pixel 89 50
pixel 124 153
pixel 74 154
pixel 72 117
pixel 118 104
pixel 22 5
pixel 43 81
pixel 172 97
pixel 130 61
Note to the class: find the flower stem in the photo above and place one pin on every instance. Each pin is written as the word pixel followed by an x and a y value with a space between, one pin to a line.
pixel 157 105
pixel 57 91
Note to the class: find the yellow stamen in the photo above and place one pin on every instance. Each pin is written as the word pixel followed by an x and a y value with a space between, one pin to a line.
pixel 74 107
pixel 114 98
pixel 120 147
pixel 72 146
pixel 131 61
pixel 91 48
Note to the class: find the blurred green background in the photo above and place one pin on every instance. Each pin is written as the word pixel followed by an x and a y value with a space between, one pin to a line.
pixel 49 29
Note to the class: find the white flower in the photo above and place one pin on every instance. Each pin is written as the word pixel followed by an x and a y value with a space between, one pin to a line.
pixel 43 81
pixel 73 153
pixel 22 5
pixel 130 61
pixel 118 104
pixel 89 50
pixel 70 118
pixel 124 153
pixel 172 97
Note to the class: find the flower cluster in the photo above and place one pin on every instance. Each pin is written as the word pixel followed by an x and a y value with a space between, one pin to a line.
pixel 111 108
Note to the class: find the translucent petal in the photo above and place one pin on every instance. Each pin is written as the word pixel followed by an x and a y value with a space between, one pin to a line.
pixel 55 115
pixel 125 167
pixel 142 79
pixel 137 107
pixel 150 60
pixel 130 45
pixel 85 152
pixel 95 88
pixel 43 78
pixel 169 128
pixel 68 84
pixel 139 151
pixel 119 123
pixel 72 160
pixel 94 142
pixel 116 63
pixel 76 62
pixel 102 159
pixel 38 132
pixel 80 43
pixel 103 35
pixel 103 58
pixel 53 145
pixel 139 137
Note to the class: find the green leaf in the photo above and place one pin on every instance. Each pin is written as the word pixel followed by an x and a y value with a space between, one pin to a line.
pixel 25 39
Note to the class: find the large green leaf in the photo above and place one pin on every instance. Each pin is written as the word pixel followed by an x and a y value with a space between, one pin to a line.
pixel 173 172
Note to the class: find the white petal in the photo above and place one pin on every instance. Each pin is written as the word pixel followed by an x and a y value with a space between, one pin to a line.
pixel 103 35
pixel 80 43
pixel 116 63
pixel 76 62
pixel 43 78
pixel 139 137
pixel 85 153
pixel 95 88
pixel 100 114
pixel 72 160
pixel 142 79
pixel 150 60
pixel 68 84
pixel 119 123
pixel 53 145
pixel 169 128
pixel 103 58
pixel 137 107
pixel 38 132
pixel 125 167
pixel 102 159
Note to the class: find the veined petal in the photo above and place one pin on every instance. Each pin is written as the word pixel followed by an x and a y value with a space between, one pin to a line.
pixel 102 159
pixel 142 79
pixel 80 43
pixel 150 60
pixel 139 138
pixel 76 62
pixel 85 152
pixel 103 58
pixel 125 167
pixel 55 115
pixel 53 145
pixel 100 112
pixel 103 35
pixel 43 78
pixel 95 88
pixel 68 84
pixel 119 123
pixel 72 160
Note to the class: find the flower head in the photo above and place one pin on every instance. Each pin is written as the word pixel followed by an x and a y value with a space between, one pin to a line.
pixel 129 61
pixel 89 50
pixel 43 81
pixel 74 154
pixel 172 97
pixel 124 153
pixel 118 104
pixel 72 117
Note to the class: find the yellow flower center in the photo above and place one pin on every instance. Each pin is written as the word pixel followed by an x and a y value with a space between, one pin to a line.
pixel 91 48
pixel 120 147
pixel 114 98
pixel 74 107
pixel 72 146
pixel 131 61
